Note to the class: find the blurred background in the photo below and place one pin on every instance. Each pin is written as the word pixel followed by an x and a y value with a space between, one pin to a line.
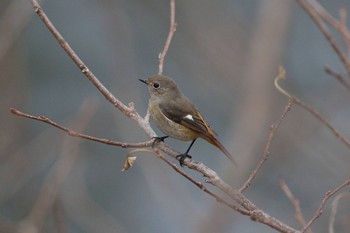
pixel 224 56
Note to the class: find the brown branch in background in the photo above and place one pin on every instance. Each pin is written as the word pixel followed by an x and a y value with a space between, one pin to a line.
pixel 298 212
pixel 334 208
pixel 62 167
pixel 313 111
pixel 13 21
pixel 61 224
pixel 272 133
pixel 295 202
pixel 328 195
pixel 309 7
pixel 338 77
pixel 79 135
pixel 172 30
pixel 345 32
pixel 339 25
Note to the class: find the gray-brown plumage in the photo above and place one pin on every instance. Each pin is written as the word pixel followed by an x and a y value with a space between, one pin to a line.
pixel 176 116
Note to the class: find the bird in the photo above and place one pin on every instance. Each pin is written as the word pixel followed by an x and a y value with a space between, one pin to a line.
pixel 177 117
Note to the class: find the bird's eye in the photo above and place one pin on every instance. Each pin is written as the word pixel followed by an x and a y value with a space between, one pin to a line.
pixel 156 85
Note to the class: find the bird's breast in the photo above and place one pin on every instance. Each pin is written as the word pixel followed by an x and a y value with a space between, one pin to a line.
pixel 169 127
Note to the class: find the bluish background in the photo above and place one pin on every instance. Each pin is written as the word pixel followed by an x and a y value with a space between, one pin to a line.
pixel 224 56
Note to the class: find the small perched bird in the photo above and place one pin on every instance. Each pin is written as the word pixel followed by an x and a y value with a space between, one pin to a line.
pixel 176 116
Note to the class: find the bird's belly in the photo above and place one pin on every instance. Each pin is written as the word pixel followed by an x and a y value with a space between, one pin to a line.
pixel 171 128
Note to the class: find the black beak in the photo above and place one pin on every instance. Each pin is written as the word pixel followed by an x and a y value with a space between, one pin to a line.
pixel 144 81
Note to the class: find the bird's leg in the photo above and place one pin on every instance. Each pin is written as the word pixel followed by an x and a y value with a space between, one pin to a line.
pixel 158 139
pixel 184 155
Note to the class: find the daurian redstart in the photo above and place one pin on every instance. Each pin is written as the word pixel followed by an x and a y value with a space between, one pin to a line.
pixel 176 116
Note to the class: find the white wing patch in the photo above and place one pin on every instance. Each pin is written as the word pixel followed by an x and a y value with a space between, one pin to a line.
pixel 189 116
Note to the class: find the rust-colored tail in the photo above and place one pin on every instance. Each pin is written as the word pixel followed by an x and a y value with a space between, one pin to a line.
pixel 210 136
pixel 216 143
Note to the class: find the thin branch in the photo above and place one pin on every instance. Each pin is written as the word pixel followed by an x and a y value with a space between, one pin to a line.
pixel 272 133
pixel 128 111
pixel 320 24
pixel 334 207
pixel 80 135
pixel 255 213
pixel 295 202
pixel 328 195
pixel 201 186
pixel 172 30
pixel 338 77
pixel 157 153
pixel 313 111
pixel 339 25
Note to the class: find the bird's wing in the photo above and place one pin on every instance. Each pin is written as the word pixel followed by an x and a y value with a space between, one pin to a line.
pixel 183 112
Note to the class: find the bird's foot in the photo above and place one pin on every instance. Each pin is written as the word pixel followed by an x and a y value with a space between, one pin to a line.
pixel 182 157
pixel 158 139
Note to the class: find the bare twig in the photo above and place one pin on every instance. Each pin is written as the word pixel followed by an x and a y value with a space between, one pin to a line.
pixel 328 195
pixel 172 30
pixel 337 76
pixel 309 8
pixel 79 135
pixel 334 208
pixel 313 111
pixel 295 202
pixel 272 132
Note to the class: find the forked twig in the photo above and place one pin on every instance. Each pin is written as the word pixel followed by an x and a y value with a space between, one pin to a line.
pixel 339 25
pixel 338 77
pixel 309 7
pixel 313 111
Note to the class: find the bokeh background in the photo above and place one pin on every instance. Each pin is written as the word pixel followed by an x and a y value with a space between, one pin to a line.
pixel 224 56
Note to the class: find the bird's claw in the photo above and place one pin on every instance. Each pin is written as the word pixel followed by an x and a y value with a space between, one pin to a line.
pixel 158 139
pixel 181 158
